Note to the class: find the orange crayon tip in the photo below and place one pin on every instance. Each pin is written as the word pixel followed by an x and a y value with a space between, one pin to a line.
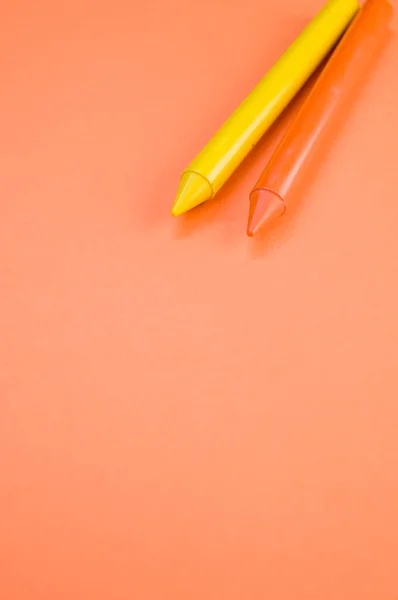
pixel 194 189
pixel 265 207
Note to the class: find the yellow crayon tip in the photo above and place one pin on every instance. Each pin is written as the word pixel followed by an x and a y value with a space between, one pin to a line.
pixel 194 189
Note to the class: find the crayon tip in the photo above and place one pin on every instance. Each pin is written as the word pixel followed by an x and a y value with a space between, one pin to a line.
pixel 194 189
pixel 265 207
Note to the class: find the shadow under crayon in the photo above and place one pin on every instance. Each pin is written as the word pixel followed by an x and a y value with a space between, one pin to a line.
pixel 277 233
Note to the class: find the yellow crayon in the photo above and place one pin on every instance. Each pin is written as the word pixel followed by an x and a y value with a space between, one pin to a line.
pixel 211 168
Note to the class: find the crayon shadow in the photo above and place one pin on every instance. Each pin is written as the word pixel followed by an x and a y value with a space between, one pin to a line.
pixel 280 231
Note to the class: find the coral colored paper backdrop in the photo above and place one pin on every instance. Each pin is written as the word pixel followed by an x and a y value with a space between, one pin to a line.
pixel 186 413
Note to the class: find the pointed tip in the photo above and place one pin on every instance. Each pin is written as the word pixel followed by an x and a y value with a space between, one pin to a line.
pixel 175 212
pixel 194 190
pixel 265 207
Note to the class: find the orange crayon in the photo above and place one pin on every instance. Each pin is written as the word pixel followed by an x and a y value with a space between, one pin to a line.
pixel 334 86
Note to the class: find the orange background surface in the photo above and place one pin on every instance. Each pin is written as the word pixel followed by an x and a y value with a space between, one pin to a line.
pixel 186 413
